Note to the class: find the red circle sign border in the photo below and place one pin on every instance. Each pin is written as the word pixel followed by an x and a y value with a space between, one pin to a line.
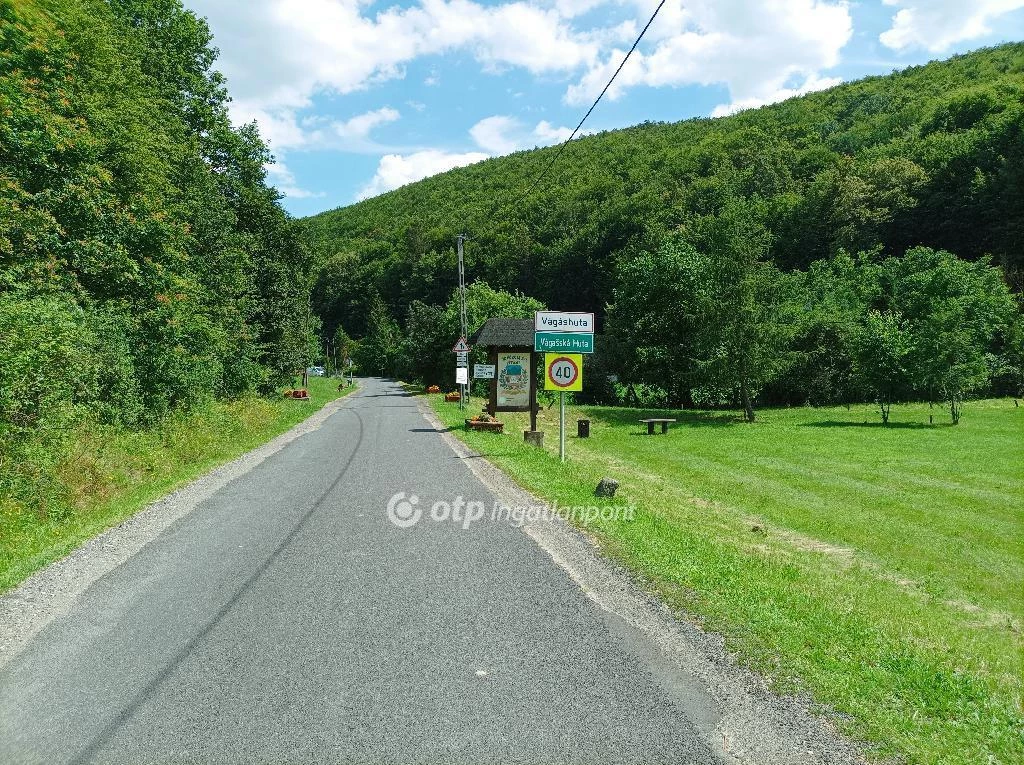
pixel 571 363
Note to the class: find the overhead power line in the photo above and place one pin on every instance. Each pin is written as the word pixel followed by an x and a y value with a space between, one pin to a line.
pixel 593 106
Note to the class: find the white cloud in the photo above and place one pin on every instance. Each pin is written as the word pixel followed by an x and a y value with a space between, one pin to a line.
pixel 284 181
pixel 360 126
pixel 492 134
pixel 572 8
pixel 809 85
pixel 495 135
pixel 756 49
pixel 278 53
pixel 395 170
pixel 549 134
pixel 504 135
pixel 285 131
pixel 938 24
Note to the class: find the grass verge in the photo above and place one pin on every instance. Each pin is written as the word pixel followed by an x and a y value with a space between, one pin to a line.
pixel 877 568
pixel 112 473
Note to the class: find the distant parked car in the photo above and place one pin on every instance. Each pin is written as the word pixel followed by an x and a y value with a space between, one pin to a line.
pixel 316 371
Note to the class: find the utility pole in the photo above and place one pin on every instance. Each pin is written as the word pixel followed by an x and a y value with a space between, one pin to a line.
pixel 463 320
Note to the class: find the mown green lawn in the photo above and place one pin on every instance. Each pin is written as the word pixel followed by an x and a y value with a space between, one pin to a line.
pixel 879 568
pixel 113 473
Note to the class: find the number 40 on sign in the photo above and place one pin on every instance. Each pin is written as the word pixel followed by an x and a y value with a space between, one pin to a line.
pixel 563 371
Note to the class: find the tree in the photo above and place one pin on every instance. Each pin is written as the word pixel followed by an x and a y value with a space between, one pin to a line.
pixel 1014 354
pixel 431 330
pixel 752 306
pixel 380 351
pixel 884 344
pixel 954 309
pixel 483 302
pixel 429 333
pixel 662 300
pixel 343 346
pixel 833 303
pixel 712 315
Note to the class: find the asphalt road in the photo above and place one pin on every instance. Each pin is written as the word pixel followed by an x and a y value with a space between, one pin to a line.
pixel 286 619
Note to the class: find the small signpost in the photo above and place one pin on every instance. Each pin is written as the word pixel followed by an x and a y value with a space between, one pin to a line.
pixel 483 371
pixel 563 336
pixel 461 351
pixel 562 331
pixel 563 372
pixel 554 342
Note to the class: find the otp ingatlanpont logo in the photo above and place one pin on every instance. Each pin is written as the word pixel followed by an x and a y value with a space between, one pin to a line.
pixel 404 512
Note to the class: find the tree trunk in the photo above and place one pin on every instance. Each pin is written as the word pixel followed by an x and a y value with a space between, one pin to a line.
pixel 748 407
pixel 884 406
pixel 954 409
pixel 631 398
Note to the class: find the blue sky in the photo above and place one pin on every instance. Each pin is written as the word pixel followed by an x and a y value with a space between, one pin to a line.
pixel 357 97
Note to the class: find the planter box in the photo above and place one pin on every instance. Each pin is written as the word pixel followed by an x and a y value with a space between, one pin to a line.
pixel 452 397
pixel 493 427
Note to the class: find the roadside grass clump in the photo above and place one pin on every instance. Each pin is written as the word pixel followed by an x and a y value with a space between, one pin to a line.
pixel 105 473
pixel 877 568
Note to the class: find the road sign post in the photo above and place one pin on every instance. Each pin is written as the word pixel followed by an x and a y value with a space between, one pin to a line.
pixel 461 351
pixel 563 372
pixel 563 336
pixel 561 426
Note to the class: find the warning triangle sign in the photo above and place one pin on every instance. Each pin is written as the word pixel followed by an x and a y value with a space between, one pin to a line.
pixel 461 347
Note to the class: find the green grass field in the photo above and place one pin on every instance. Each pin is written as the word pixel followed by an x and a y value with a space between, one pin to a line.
pixel 113 473
pixel 879 568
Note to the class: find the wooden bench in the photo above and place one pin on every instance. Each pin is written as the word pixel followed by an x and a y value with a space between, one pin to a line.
pixel 653 421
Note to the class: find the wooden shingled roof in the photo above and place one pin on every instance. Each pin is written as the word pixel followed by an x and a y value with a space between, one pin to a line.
pixel 504 333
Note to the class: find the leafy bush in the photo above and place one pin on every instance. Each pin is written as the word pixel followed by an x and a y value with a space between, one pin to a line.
pixel 46 381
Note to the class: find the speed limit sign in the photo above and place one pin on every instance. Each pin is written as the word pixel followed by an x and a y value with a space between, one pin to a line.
pixel 563 371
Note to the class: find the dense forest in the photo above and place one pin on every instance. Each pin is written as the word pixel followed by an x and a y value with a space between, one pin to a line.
pixel 865 243
pixel 145 265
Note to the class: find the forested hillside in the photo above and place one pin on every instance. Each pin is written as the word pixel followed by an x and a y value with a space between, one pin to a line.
pixel 145 265
pixel 784 226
